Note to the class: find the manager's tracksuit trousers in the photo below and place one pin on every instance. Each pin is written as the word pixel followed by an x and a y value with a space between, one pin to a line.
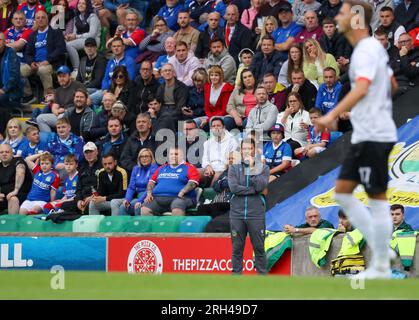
pixel 256 230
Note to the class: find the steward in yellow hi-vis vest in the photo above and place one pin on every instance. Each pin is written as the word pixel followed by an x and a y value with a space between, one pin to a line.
pixel 275 245
pixel 404 243
pixel 320 241
pixel 349 259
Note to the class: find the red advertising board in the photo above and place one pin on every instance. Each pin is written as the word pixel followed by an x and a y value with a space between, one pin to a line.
pixel 183 255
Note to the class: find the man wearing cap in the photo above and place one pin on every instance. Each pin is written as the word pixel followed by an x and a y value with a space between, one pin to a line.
pixel 277 153
pixel 119 110
pixel 287 30
pixel 92 66
pixel 64 97
pixel 45 51
pixel 88 172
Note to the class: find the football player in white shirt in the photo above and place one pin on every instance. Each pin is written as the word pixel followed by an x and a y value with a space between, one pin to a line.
pixel 374 134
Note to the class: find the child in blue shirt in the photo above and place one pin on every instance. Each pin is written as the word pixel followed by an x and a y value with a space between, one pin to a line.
pixel 44 187
pixel 70 184
pixel 277 153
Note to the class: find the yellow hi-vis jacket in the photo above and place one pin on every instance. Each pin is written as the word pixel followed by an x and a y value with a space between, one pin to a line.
pixel 351 243
pixel 275 245
pixel 320 241
pixel 404 243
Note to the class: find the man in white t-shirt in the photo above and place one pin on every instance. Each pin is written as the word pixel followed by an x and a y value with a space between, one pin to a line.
pixel 374 134
pixel 216 151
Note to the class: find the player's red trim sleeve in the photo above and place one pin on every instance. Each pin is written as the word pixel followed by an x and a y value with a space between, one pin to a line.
pixel 36 169
pixel 193 173
pixel 56 184
pixel 363 78
pixel 155 175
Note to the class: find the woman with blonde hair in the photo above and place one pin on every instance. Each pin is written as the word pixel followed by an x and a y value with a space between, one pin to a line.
pixel 270 24
pixel 216 95
pixel 136 192
pixel 14 135
pixel 316 60
pixel 195 106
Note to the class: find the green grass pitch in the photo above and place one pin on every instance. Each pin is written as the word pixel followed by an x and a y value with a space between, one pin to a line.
pixel 100 285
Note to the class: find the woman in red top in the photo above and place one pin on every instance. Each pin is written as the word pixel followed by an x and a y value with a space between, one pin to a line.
pixel 216 95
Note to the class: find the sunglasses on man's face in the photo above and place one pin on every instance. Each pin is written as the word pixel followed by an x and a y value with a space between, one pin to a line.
pixel 119 76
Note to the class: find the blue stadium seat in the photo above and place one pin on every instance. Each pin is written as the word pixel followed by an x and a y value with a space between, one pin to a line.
pixel 194 224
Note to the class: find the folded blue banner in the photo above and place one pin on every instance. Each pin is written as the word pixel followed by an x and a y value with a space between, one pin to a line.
pixel 43 253
pixel 403 187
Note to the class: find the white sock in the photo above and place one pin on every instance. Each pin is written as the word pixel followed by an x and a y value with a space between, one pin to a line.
pixel 358 215
pixel 383 228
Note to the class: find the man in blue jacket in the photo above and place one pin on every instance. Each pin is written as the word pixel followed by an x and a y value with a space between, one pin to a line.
pixel 329 91
pixel 44 53
pixel 10 83
pixel 248 181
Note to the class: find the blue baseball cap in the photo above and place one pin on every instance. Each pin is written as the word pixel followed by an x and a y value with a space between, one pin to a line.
pixel 63 69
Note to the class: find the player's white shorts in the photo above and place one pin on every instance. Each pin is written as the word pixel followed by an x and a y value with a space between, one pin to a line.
pixel 28 205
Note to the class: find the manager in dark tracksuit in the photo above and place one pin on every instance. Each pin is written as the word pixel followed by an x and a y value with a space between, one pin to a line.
pixel 247 181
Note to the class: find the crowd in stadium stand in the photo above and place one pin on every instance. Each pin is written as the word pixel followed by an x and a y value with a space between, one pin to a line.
pixel 115 80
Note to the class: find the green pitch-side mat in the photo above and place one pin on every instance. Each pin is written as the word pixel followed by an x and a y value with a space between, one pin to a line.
pixel 97 285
